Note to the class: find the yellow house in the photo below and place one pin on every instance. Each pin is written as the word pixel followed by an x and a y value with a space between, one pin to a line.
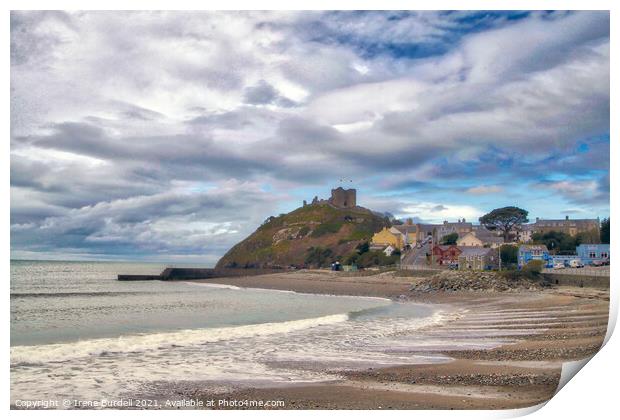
pixel 469 239
pixel 388 236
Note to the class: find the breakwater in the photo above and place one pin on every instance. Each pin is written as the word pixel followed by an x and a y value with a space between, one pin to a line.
pixel 598 282
pixel 177 273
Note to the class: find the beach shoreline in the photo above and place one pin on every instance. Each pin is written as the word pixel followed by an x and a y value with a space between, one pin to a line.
pixel 560 324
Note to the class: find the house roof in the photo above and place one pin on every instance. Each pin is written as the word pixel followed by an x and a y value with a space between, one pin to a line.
pixel 561 222
pixel 395 231
pixel 404 229
pixel 487 236
pixel 427 226
pixel 474 251
pixel 533 247
pixel 457 224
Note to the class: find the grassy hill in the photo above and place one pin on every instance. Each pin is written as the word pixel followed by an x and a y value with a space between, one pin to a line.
pixel 290 239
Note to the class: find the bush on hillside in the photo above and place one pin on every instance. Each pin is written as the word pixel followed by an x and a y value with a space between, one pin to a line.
pixel 325 228
pixel 376 258
pixel 318 256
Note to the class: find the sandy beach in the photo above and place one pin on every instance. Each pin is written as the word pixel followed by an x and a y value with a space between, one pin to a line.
pixel 538 331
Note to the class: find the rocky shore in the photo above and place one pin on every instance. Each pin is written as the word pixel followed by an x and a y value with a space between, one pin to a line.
pixel 452 281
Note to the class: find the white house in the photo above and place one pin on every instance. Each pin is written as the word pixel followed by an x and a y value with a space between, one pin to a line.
pixel 389 250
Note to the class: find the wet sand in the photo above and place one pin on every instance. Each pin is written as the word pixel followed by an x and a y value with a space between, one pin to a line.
pixel 324 282
pixel 539 331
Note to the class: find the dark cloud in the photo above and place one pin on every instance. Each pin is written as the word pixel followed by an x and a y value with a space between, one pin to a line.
pixel 265 94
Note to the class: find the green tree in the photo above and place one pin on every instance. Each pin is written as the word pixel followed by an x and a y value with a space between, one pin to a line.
pixel 504 220
pixel 589 237
pixel 558 242
pixel 363 247
pixel 605 231
pixel 450 239
pixel 351 258
pixel 318 256
pixel 376 258
pixel 509 255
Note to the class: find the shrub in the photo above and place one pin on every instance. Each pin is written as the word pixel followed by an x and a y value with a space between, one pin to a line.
pixel 325 228
pixel 450 239
pixel 319 257
pixel 531 271
pixel 363 247
pixel 533 268
pixel 351 258
pixel 376 258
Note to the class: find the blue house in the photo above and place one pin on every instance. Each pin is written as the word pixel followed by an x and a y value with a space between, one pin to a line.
pixel 529 253
pixel 589 253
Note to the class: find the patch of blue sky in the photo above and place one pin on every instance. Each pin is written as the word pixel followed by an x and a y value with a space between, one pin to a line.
pixel 451 27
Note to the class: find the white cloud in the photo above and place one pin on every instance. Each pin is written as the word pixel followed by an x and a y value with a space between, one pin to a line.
pixel 485 189
pixel 577 191
pixel 437 212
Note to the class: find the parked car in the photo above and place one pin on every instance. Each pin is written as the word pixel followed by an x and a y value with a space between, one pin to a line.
pixel 558 265
pixel 576 264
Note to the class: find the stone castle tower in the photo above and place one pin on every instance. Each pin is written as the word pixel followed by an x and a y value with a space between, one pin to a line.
pixel 343 198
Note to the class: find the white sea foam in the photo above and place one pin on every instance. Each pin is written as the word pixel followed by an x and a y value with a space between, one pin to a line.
pixel 213 285
pixel 145 342
pixel 286 352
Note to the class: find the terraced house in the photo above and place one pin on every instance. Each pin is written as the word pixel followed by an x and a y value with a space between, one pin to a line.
pixel 478 258
pixel 446 254
pixel 569 226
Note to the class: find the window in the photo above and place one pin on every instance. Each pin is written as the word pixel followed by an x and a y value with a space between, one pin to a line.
pixel 604 255
pixel 592 254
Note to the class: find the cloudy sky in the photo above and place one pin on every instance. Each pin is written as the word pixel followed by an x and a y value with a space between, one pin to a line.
pixel 171 136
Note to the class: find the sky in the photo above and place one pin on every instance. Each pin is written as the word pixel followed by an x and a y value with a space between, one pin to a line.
pixel 170 136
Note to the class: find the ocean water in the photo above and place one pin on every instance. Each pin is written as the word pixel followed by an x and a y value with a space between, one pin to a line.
pixel 78 333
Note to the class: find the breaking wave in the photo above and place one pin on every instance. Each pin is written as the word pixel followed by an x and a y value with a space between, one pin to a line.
pixel 32 355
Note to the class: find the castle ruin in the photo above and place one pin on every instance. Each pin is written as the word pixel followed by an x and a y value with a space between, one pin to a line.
pixel 341 198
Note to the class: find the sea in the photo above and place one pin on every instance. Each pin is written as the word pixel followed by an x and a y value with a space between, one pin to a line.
pixel 78 333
